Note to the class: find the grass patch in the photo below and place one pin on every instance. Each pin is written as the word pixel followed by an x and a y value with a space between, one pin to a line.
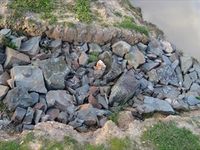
pixel 8 43
pixel 167 136
pixel 93 57
pixel 128 23
pixel 82 10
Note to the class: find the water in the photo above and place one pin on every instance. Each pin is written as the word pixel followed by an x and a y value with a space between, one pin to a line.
pixel 179 19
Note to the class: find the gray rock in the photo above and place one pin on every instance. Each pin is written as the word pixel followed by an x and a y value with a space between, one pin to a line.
pixel 3 78
pixel 195 88
pixel 2 58
pixel 196 67
pixel 179 75
pixel 18 41
pixel 28 127
pixel 18 115
pixel 153 76
pixel 1 69
pixel 5 32
pixel 115 71
pixel 142 47
pixel 15 58
pixel 55 44
pixel 37 116
pixel 166 60
pixel 31 47
pixel 187 82
pixel 121 48
pixel 55 70
pixel 155 105
pixel 61 100
pixel 101 100
pixel 3 91
pixel 180 105
pixel 186 63
pixel 18 97
pixel 124 88
pixel 167 47
pixel 192 101
pixel 63 117
pixel 53 113
pixel 29 116
pixel 149 66
pixel 135 58
pixel 193 76
pixel 106 57
pixel 83 59
pixel 82 93
pixel 155 47
pixel 29 77
pixel 76 123
pixel 94 48
pixel 167 75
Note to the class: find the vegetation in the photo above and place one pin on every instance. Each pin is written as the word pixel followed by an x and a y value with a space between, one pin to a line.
pixel 128 23
pixel 93 57
pixel 167 136
pixel 8 43
pixel 82 10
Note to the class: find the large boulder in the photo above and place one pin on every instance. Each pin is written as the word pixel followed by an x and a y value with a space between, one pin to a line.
pixel 15 58
pixel 155 105
pixel 55 70
pixel 19 97
pixel 31 47
pixel 29 77
pixel 61 100
pixel 125 88
pixel 121 48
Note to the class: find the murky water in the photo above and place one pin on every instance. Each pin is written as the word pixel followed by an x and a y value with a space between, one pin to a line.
pixel 179 19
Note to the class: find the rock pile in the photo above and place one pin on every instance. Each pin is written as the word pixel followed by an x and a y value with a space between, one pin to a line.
pixel 42 79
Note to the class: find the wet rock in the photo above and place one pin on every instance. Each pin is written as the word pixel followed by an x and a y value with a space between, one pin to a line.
pixel 94 48
pixel 187 82
pixel 99 69
pixel 29 77
pixel 15 58
pixel 31 47
pixel 37 116
pixel 149 66
pixel 115 71
pixel 3 78
pixel 155 47
pixel 29 116
pixel 2 58
pixel 83 59
pixel 155 105
pixel 61 100
pixel 186 63
pixel 121 48
pixel 167 47
pixel 124 88
pixel 3 91
pixel 135 58
pixel 18 115
pixel 18 97
pixel 87 114
pixel 55 70
pixel 192 101
pixel 53 113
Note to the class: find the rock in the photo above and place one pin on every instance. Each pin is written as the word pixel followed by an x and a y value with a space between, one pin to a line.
pixel 76 123
pixel 18 115
pixel 193 76
pixel 29 116
pixel 101 100
pixel 121 48
pixel 167 75
pixel 149 66
pixel 124 119
pixel 99 69
pixel 1 69
pixel 2 58
pixel 179 75
pixel 92 100
pixel 115 71
pixel 55 44
pixel 3 91
pixel 186 63
pixel 124 88
pixel 28 127
pixel 195 88
pixel 94 48
pixel 72 82
pixel 196 67
pixel 135 58
pixel 155 47
pixel 153 76
pixel 53 113
pixel 106 57
pixel 83 59
pixel 63 117
pixel 142 47
pixel 192 101
pixel 18 41
pixel 5 32
pixel 167 47
pixel 18 97
pixel 61 100
pixel 87 114
pixel 187 82
pixel 179 105
pixel 37 116
pixel 166 60
pixel 82 93
pixel 15 58
pixel 31 47
pixel 29 77
pixel 55 70
pixel 3 78
pixel 155 105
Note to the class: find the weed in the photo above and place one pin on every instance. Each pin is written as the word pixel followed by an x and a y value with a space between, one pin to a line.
pixel 93 57
pixel 167 136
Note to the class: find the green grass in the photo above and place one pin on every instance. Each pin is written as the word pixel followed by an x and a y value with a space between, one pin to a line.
pixel 120 144
pixel 93 57
pixel 128 23
pixel 167 136
pixel 82 10
pixel 7 42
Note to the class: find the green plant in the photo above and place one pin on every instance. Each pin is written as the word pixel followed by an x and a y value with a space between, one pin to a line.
pixel 82 9
pixel 93 57
pixel 120 144
pixel 167 136
pixel 128 23
pixel 8 43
